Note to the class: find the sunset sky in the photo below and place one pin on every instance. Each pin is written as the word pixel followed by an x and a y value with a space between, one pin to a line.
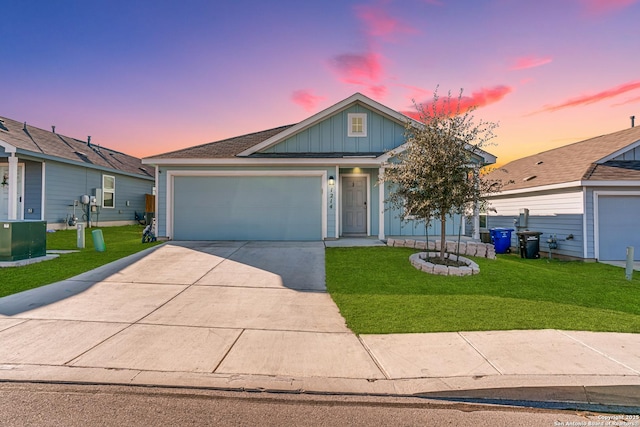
pixel 146 77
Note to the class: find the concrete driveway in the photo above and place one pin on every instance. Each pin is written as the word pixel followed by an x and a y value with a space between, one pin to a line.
pixel 252 308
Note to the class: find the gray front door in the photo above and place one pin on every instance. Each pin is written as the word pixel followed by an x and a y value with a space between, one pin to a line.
pixel 354 205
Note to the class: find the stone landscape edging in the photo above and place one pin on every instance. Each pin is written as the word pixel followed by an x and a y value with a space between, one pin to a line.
pixel 418 260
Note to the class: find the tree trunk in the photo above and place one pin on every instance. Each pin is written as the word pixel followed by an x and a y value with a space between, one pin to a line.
pixel 443 234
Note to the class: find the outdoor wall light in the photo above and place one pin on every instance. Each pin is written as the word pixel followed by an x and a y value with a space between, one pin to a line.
pixel 331 180
pixel 5 180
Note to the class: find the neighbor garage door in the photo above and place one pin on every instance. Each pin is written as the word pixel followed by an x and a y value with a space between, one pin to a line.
pixel 247 208
pixel 618 226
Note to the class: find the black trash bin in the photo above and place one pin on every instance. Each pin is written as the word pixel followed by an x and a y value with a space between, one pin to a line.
pixel 529 242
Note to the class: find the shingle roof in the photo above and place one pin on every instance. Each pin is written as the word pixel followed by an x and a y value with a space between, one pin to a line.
pixel 573 162
pixel 225 148
pixel 615 170
pixel 38 141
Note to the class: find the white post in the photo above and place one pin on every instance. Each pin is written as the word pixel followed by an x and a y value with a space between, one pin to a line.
pixel 381 233
pixel 13 188
pixel 80 236
pixel 476 222
pixel 629 267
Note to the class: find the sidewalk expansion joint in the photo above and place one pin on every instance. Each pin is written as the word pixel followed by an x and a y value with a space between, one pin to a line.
pixel 222 359
pixel 373 358
pixel 599 352
pixel 481 354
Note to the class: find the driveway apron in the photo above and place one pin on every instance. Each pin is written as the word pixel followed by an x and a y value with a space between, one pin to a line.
pixel 203 307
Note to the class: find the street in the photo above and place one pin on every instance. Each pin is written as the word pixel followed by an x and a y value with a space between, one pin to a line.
pixel 44 404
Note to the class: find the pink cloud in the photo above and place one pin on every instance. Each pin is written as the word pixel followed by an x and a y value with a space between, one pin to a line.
pixel 306 99
pixel 529 62
pixel 377 91
pixel 600 7
pixel 358 68
pixel 628 101
pixel 379 23
pixel 478 99
pixel 596 97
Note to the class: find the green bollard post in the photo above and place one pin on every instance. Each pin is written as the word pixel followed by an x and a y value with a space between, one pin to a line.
pixel 98 240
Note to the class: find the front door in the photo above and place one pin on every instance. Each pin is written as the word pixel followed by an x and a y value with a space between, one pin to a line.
pixel 354 205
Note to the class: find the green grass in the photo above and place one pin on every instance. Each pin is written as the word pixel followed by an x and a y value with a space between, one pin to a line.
pixel 120 242
pixel 378 291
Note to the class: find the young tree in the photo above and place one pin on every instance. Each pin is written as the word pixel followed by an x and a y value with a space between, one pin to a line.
pixel 433 175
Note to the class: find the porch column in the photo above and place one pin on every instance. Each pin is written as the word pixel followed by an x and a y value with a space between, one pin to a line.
pixel 336 203
pixel 476 222
pixel 13 188
pixel 476 211
pixel 381 234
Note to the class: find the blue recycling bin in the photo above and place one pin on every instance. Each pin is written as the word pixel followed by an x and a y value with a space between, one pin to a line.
pixel 501 239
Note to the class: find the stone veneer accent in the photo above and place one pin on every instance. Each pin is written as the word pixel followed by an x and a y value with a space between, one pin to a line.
pixel 419 261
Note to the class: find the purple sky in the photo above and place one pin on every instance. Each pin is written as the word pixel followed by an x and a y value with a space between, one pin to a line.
pixel 146 77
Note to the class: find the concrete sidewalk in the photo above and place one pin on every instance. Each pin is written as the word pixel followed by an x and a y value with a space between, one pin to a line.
pixel 252 315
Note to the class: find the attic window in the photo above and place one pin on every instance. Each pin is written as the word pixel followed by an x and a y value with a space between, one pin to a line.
pixel 529 178
pixel 357 125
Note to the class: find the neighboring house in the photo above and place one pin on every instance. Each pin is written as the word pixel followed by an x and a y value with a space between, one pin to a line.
pixel 586 195
pixel 43 176
pixel 310 181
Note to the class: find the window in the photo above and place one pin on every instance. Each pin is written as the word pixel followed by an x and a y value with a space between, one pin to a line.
pixel 108 191
pixel 357 124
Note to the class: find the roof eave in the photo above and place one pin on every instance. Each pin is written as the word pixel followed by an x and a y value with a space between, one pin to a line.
pixel 262 161
pixel 8 148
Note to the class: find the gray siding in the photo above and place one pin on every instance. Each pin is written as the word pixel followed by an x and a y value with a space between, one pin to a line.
pixel 395 226
pixel 66 183
pixel 330 136
pixel 561 226
pixel 630 155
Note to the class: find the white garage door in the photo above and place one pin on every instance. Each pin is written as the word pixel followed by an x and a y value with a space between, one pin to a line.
pixel 618 226
pixel 247 208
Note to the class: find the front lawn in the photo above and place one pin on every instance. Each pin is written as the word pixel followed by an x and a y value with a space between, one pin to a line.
pixel 378 291
pixel 120 242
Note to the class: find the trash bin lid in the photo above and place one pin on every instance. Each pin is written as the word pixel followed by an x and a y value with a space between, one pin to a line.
pixel 529 233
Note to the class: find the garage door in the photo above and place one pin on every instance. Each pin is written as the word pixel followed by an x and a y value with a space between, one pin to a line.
pixel 247 208
pixel 618 226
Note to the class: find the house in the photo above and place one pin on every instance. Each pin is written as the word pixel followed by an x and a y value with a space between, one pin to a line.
pixel 584 195
pixel 314 180
pixel 44 176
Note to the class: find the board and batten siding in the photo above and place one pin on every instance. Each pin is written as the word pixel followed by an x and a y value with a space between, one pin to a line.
pixel 330 136
pixel 629 155
pixel 558 212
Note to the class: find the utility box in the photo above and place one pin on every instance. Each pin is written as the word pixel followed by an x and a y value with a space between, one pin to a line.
pixel 22 240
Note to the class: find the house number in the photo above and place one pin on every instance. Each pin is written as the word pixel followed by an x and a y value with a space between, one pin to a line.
pixel 331 198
